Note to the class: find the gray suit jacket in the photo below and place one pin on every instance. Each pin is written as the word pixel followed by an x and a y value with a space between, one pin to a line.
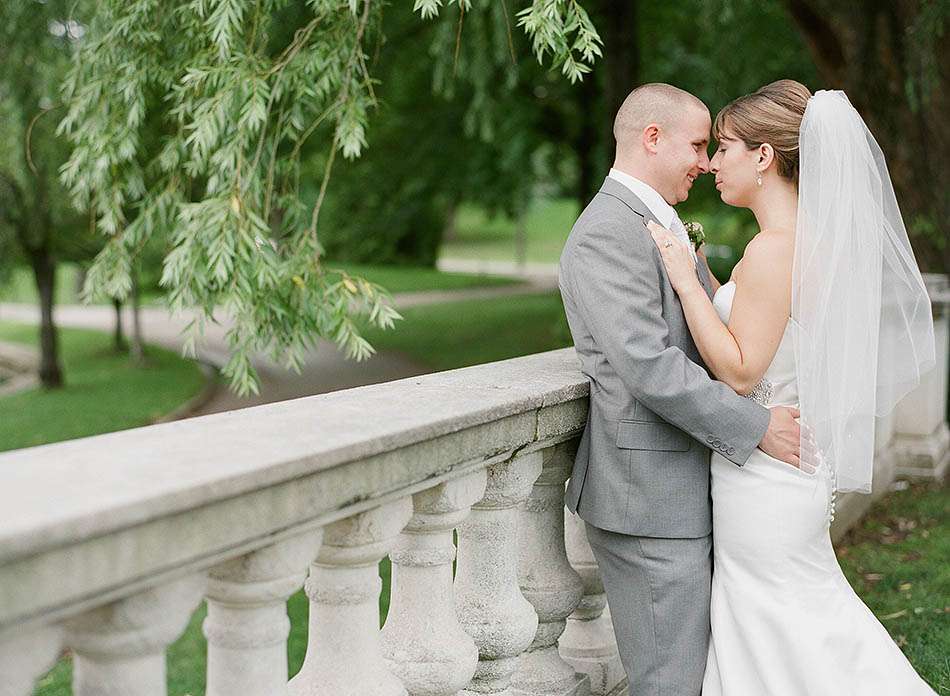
pixel 642 466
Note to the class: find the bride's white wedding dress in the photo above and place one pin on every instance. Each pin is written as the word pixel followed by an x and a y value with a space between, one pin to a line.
pixel 785 621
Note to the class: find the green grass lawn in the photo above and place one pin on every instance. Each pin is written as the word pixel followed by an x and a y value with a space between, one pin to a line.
pixel 20 286
pixel 479 236
pixel 103 392
pixel 413 279
pixel 897 560
pixel 470 332
pixel 548 224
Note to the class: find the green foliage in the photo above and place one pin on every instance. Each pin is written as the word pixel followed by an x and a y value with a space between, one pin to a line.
pixel 696 50
pixel 237 102
pixel 37 43
pixel 563 29
pixel 923 56
pixel 559 28
pixel 463 127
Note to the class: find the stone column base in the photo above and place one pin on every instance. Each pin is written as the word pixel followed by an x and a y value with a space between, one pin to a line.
pixel 578 685
pixel 923 457
pixel 622 689
pixel 601 662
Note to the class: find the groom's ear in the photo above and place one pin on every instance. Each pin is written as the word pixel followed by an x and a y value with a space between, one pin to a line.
pixel 651 138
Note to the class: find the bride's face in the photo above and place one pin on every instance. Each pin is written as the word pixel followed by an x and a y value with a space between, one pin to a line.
pixel 734 166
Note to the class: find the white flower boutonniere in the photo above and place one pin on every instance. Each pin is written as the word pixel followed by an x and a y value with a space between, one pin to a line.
pixel 696 234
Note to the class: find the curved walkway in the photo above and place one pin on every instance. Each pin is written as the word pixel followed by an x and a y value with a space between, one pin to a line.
pixel 325 368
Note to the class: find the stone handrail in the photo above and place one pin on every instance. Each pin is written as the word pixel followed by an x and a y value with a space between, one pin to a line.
pixel 108 543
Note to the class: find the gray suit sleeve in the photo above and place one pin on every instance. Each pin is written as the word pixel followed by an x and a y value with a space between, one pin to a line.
pixel 616 281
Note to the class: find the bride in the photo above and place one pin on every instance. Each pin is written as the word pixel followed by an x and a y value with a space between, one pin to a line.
pixel 827 312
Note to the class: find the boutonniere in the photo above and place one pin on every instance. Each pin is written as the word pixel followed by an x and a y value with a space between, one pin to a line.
pixel 696 234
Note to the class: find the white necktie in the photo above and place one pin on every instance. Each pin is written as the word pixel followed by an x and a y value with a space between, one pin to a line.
pixel 679 229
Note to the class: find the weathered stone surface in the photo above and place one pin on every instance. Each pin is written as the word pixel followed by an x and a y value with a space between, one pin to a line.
pixel 489 603
pixel 548 581
pixel 120 511
pixel 343 647
pixel 588 643
pixel 423 642
pixel 247 624
pixel 119 648
pixel 25 656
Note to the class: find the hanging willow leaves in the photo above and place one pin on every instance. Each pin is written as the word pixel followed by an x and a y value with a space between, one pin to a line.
pixel 188 119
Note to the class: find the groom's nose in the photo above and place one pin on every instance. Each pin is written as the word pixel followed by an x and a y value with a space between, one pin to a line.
pixel 703 163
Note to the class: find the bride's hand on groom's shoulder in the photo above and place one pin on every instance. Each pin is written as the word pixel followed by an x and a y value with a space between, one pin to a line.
pixel 680 266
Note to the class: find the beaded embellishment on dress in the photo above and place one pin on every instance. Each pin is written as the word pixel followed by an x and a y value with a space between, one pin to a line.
pixel 832 483
pixel 762 392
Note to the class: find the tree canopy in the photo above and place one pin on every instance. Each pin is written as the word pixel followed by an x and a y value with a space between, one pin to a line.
pixel 239 88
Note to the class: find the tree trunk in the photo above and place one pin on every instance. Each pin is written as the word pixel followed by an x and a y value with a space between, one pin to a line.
pixel 621 60
pixel 136 349
pixel 877 52
pixel 600 100
pixel 451 230
pixel 44 273
pixel 588 142
pixel 118 341
pixel 521 240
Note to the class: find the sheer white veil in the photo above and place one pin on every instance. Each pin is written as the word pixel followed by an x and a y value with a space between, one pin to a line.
pixel 865 320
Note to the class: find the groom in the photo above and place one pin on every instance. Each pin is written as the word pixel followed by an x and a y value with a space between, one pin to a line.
pixel 641 476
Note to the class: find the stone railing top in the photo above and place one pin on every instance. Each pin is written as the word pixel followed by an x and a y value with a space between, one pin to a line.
pixel 55 495
pixel 936 282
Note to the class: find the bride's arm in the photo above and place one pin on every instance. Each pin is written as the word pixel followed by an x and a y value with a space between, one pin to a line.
pixel 740 353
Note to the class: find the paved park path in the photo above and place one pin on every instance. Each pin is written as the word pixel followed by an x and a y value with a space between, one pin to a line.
pixel 325 368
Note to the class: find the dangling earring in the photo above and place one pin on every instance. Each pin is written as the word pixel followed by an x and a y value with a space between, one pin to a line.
pixel 758 178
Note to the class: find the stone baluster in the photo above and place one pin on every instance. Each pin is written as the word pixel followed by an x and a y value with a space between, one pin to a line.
pixel 344 657
pixel 488 601
pixel 423 642
pixel 247 624
pixel 119 649
pixel 25 656
pixel 588 643
pixel 548 581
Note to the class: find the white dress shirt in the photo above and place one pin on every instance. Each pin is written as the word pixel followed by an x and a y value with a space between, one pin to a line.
pixel 662 210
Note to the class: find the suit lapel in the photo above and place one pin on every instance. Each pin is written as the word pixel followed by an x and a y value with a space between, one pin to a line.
pixel 615 189
pixel 704 278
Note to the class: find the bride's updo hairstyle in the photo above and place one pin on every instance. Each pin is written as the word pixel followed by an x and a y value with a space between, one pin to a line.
pixel 772 114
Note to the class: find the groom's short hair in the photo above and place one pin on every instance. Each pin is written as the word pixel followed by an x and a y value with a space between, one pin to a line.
pixel 654 102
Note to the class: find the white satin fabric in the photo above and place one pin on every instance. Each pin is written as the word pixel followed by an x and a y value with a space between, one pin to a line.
pixel 785 621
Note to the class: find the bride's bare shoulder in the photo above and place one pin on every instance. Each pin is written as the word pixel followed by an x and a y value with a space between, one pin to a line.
pixel 768 253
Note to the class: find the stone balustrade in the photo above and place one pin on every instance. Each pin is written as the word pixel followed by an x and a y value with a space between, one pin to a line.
pixel 913 441
pixel 108 544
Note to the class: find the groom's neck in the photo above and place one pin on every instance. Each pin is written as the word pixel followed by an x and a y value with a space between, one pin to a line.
pixel 638 170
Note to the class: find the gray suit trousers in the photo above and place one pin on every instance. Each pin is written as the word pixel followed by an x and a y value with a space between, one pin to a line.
pixel 658 592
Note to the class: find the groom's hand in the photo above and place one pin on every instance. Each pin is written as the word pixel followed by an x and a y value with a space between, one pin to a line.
pixel 783 439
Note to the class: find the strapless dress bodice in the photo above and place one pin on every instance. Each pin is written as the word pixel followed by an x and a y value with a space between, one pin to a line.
pixel 779 384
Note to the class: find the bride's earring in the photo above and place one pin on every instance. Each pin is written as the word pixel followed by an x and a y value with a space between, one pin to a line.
pixel 758 178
